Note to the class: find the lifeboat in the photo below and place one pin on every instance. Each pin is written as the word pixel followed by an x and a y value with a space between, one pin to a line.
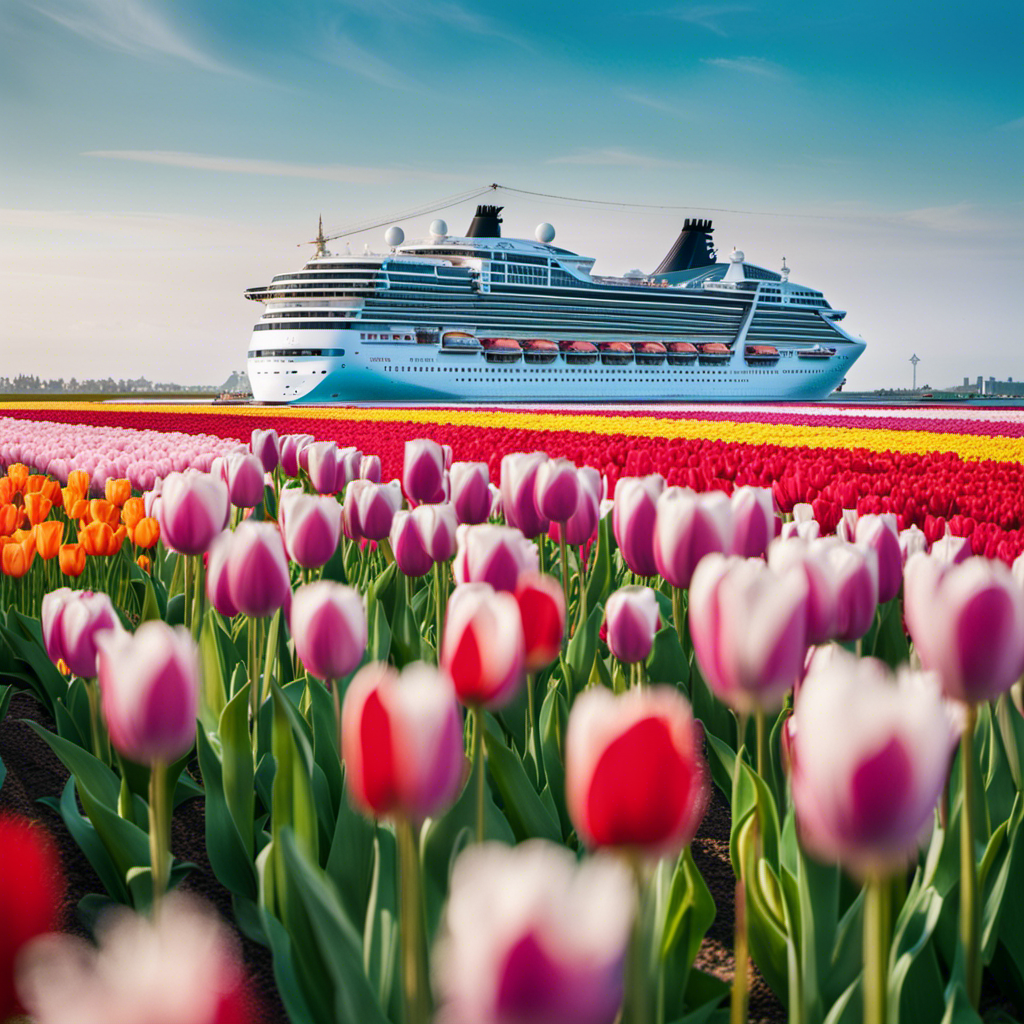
pixel 615 353
pixel 681 353
pixel 459 343
pixel 539 350
pixel 501 350
pixel 715 352
pixel 649 353
pixel 816 352
pixel 761 354
pixel 578 353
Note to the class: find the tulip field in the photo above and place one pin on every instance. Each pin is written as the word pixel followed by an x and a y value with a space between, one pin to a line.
pixel 455 689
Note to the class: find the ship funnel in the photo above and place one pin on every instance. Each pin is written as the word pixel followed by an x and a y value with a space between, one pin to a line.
pixel 486 223
pixel 693 248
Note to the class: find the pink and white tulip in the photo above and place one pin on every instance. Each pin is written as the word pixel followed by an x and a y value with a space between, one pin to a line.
pixel 557 490
pixel 497 555
pixel 328 624
pixel 72 622
pixel 633 521
pixel 265 445
pixel 632 618
pixel 519 492
pixel 471 495
pixel 423 471
pixel 257 569
pixel 310 526
pixel 437 525
pixel 193 509
pixel 879 533
pixel 687 527
pixel 754 521
pixel 408 545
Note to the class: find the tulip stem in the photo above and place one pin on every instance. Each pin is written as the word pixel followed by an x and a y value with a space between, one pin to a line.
pixel 197 603
pixel 762 744
pixel 92 692
pixel 638 977
pixel 679 615
pixel 563 550
pixel 970 923
pixel 411 911
pixel 739 994
pixel 583 593
pixel 159 831
pixel 478 767
pixel 187 607
pixel 876 949
pixel 438 608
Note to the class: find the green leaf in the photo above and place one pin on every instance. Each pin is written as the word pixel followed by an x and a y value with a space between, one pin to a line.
pixel 666 662
pixel 335 567
pixel 599 572
pixel 890 642
pixel 689 912
pixel 554 718
pixel 25 639
pixel 350 859
pixel 285 974
pixel 582 648
pixel 381 928
pixel 379 646
pixel 214 672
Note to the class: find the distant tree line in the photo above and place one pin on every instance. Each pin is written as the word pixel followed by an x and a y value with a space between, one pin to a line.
pixel 29 384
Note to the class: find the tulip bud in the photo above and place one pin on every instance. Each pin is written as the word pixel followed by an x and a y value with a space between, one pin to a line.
pixel 518 492
pixel 471 494
pixel 322 461
pixel 244 475
pixel 749 630
pixel 132 511
pixel 266 447
pixel 483 646
pixel 194 508
pixel 71 559
pixel 530 934
pixel 48 538
pixel 846 530
pixel 328 624
pixel 912 540
pixel 149 684
pixel 37 507
pixel 146 532
pixel 310 526
pixel 423 471
pixel 633 521
pixel 218 589
pixel 822 589
pixel 401 740
pixel 290 447
pixel 869 760
pixel 802 529
pixel 542 611
pixel 878 533
pixel 257 569
pixel 369 468
pixel 687 527
pixel 373 507
pixel 753 521
pixel 967 624
pixel 635 776
pixel 76 623
pixel 581 527
pixel 953 550
pixel 557 490
pixel 497 555
pixel 408 546
pixel 347 469
pixel 437 525
pixel 117 492
pixel 632 617
pixel 855 580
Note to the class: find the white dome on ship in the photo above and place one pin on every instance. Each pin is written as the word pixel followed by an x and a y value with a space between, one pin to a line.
pixel 545 233
pixel 736 256
pixel 634 274
pixel 438 228
pixel 394 236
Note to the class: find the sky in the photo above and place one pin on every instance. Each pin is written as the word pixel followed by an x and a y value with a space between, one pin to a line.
pixel 157 158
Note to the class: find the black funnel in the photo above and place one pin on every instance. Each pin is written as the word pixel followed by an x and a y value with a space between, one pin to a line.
pixel 486 223
pixel 693 248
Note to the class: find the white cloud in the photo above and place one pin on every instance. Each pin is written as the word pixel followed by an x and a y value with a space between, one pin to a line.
pixel 613 157
pixel 344 52
pixel 1014 125
pixel 643 100
pixel 747 66
pixel 135 27
pixel 709 16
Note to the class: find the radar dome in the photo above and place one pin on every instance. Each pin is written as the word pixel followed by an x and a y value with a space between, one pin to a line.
pixel 438 228
pixel 736 256
pixel 545 233
pixel 394 236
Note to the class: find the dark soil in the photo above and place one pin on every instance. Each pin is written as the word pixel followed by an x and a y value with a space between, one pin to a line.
pixel 33 771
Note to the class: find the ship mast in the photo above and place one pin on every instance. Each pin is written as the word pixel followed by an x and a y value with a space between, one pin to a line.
pixel 321 241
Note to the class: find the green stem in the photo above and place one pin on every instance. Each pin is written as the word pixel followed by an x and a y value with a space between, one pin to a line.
pixel 336 695
pixel 411 911
pixel 679 614
pixel 254 693
pixel 876 949
pixel 762 744
pixel 739 994
pixel 92 692
pixel 563 549
pixel 197 601
pixel 583 592
pixel 638 977
pixel 187 614
pixel 970 909
pixel 478 767
pixel 159 832
pixel 438 609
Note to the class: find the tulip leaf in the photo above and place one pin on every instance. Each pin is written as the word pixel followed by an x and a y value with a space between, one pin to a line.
pixel 718 723
pixel 666 662
pixel 582 648
pixel 379 646
pixel 285 974
pixel 350 859
pixel 24 636
pixel 599 572
pixel 334 569
pixel 958 1006
pixel 688 913
pixel 997 882
pixel 381 928
pixel 176 610
pixel 214 677
pixel 889 642
pixel 324 730
pixel 554 717
pixel 72 716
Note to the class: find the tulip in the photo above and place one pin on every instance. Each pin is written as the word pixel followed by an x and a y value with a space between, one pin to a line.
pixel 518 493
pixel 401 740
pixel 912 540
pixel 328 624
pixel 953 550
pixel 16 558
pixel 78 479
pixel 34 484
pixel 218 588
pixel 749 630
pixel 633 521
pixel 370 469
pixel 581 527
pixel 99 510
pixel 244 477
pixel 557 489
pixel 322 461
pixel 266 447
pixel 408 546
pixel 855 579
pixel 370 509
pixel 48 538
pixel 180 965
pixel 290 447
pixel 634 773
pixel 145 533
pixel 423 471
pixel 632 618
pixel 37 507
pixel 144 563
pixel 18 475
pixel 71 559
pixel 542 612
pixel 530 934
pixel 30 893
pixel 879 533
pixel 802 529
pixel 822 591
pixel 117 491
pixel 194 508
pixel 753 521
pixel 687 527
pixel 132 511
pixel 72 623
pixel 497 555
pixel 348 466
pixel 483 648
pixel 437 525
pixel 75 505
pixel 99 539
pixel 310 526
pixel 471 496
pixel 846 530
pixel 11 518
pixel 257 569
pixel 50 613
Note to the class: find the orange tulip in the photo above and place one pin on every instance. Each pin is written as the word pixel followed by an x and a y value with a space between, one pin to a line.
pixel 26 538
pixel 18 474
pixel 51 490
pixel 48 538
pixel 101 511
pixel 132 511
pixel 144 563
pixel 16 559
pixel 62 667
pixel 34 484
pixel 146 533
pixel 79 479
pixel 37 506
pixel 118 491
pixel 6 490
pixel 11 517
pixel 72 559
pixel 96 537
pixel 75 505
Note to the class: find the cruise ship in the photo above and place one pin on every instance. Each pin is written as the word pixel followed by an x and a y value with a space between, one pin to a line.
pixel 483 318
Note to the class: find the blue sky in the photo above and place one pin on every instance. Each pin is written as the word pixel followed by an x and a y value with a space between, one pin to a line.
pixel 159 157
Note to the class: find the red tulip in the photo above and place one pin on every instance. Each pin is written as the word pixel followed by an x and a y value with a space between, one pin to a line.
pixel 542 609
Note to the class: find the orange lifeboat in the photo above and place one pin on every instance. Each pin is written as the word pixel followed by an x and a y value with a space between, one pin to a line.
pixel 714 352
pixel 649 353
pixel 615 353
pixel 539 350
pixel 578 353
pixel 761 354
pixel 681 353
pixel 501 350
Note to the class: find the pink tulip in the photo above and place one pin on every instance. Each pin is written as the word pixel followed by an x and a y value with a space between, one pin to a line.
pixel 322 462
pixel 218 589
pixel 749 630
pixel 370 469
pixel 633 521
pixel 802 529
pixel 437 525
pixel 149 684
pixel 423 471
pixel 311 527
pixel 953 550
pixel 753 521
pixel 266 447
pixel 328 624
pixel 408 546
pixel 550 948
pixel 855 579
pixel 257 569
pixel 846 530
pixel 967 624
pixel 879 533
pixel 471 494
pixel 401 740
pixel 542 612
pixel 822 590
pixel 72 621
pixel 632 617
pixel 349 461
pixel 291 446
pixel 194 508
pixel 50 614
pixel 483 648
pixel 912 540
pixel 687 527
pixel 635 776
pixel 518 492
pixel 497 555
pixel 870 756
pixel 244 476
pixel 557 490
pixel 370 509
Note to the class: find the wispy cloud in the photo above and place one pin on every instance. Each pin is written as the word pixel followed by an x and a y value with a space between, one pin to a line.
pixel 349 173
pixel 710 16
pixel 340 49
pixel 613 157
pixel 1013 126
pixel 643 100
pixel 136 27
pixel 748 66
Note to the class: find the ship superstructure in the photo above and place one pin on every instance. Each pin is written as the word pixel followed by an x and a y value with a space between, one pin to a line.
pixel 480 317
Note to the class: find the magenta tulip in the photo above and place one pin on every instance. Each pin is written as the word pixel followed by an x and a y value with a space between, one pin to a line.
pixel 687 527
pixel 72 621
pixel 257 569
pixel 244 476
pixel 328 624
pixel 822 591
pixel 471 494
pixel 880 534
pixel 322 465
pixel 408 546
pixel 290 448
pixel 632 617
pixel 557 490
pixel 218 589
pixel 349 462
pixel 370 509
pixel 518 493
pixel 753 521
pixel 437 525
pixel 633 521
pixel 193 509
pixel 423 471
pixel 310 526
pixel 370 469
pixel 497 555
pixel 265 445
pixel 855 580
